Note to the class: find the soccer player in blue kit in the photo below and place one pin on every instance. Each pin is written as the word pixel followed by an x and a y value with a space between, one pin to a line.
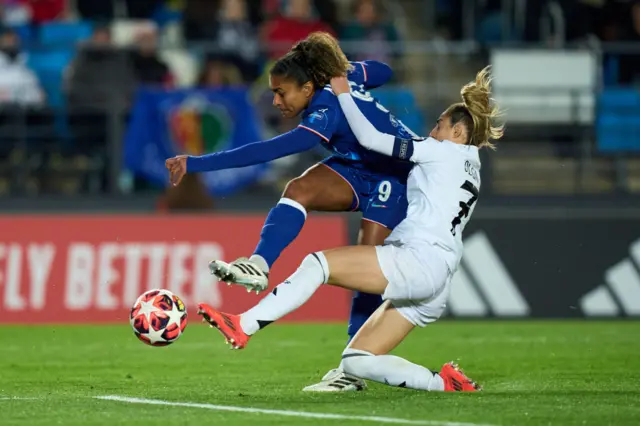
pixel 352 179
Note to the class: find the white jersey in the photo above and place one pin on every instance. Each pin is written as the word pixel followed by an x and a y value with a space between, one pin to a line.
pixel 442 190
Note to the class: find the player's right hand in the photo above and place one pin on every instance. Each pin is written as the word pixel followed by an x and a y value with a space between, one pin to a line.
pixel 177 167
pixel 340 85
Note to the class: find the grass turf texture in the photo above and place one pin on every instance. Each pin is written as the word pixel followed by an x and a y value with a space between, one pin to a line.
pixel 534 373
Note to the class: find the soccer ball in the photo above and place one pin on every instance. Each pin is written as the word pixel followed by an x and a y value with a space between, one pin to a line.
pixel 158 317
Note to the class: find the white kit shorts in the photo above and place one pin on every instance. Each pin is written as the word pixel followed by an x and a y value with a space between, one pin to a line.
pixel 419 281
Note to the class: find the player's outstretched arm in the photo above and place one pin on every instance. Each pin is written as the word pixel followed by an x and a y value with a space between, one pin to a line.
pixel 367 135
pixel 370 137
pixel 293 142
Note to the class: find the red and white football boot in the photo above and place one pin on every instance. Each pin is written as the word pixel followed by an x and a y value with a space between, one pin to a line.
pixel 456 381
pixel 227 324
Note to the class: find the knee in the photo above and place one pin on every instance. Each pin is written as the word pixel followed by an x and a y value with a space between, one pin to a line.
pixel 319 261
pixel 301 191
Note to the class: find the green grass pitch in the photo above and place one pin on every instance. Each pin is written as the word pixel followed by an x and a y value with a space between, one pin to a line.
pixel 534 373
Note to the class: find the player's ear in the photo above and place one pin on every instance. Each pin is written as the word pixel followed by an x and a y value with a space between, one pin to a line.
pixel 307 89
pixel 458 130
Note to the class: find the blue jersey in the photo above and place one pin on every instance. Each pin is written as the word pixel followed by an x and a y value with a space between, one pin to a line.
pixel 324 123
pixel 325 118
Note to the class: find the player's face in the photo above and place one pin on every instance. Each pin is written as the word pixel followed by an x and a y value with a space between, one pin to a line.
pixel 443 129
pixel 289 97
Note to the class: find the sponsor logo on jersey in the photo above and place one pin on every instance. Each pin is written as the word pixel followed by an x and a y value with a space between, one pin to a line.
pixel 318 119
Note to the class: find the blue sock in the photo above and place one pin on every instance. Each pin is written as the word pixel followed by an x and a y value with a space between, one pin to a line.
pixel 362 306
pixel 283 224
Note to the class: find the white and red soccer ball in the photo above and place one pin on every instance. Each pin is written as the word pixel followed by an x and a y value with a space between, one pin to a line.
pixel 158 317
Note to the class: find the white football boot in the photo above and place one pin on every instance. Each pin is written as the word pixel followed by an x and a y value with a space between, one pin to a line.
pixel 337 380
pixel 243 272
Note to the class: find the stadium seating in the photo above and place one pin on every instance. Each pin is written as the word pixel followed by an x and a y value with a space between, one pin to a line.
pixel 618 121
pixel 64 34
pixel 25 32
pixel 404 104
pixel 51 49
pixel 49 66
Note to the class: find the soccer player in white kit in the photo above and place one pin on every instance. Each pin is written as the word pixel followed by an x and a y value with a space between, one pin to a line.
pixel 413 270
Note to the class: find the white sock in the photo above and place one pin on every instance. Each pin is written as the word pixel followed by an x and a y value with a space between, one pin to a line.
pixel 390 370
pixel 260 262
pixel 288 296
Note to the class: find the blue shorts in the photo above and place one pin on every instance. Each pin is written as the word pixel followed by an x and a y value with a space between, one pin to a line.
pixel 382 199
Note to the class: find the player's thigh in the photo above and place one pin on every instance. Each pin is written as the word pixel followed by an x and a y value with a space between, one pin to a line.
pixel 372 233
pixel 356 268
pixel 383 331
pixel 422 313
pixel 321 188
pixel 414 273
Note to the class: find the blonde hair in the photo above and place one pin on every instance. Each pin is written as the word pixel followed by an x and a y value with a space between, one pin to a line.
pixel 478 112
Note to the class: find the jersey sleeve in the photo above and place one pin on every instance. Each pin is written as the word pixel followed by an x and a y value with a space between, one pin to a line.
pixel 370 74
pixel 293 142
pixel 322 120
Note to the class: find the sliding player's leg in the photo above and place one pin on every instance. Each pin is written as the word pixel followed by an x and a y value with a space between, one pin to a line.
pixel 320 188
pixel 353 268
pixel 416 295
pixel 367 356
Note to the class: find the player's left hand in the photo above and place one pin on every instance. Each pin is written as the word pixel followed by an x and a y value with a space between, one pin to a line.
pixel 177 167
pixel 340 85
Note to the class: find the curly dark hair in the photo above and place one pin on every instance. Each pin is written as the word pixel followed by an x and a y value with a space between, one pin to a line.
pixel 318 58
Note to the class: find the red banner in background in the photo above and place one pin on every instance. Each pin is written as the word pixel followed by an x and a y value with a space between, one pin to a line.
pixel 66 269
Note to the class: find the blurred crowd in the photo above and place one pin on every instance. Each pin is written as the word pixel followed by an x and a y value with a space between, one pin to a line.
pixel 103 49
pixel 84 58
pixel 94 52
pixel 609 20
pixel 554 23
pixel 69 70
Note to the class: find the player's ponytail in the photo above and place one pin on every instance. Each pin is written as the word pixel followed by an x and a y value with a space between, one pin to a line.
pixel 317 59
pixel 477 111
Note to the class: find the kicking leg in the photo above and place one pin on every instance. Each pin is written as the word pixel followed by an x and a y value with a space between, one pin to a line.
pixel 320 189
pixel 334 267
pixel 355 265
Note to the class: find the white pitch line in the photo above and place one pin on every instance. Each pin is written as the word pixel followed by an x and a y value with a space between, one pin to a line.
pixel 287 413
pixel 17 398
